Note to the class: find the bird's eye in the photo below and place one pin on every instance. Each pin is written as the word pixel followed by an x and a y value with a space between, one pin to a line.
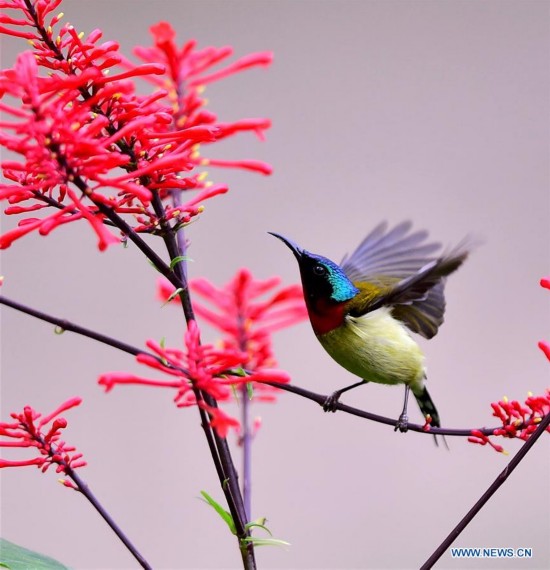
pixel 319 270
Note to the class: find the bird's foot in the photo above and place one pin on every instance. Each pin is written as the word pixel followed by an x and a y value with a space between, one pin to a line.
pixel 329 404
pixel 402 423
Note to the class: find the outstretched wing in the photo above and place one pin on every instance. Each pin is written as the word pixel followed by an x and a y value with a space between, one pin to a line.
pixel 413 280
pixel 395 253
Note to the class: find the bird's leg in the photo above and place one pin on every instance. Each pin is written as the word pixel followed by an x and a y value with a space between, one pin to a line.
pixel 403 422
pixel 330 403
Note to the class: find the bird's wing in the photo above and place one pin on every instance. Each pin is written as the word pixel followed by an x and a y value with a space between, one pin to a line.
pixel 412 279
pixel 396 253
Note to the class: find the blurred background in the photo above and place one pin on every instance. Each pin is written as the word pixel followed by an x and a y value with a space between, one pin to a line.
pixel 432 111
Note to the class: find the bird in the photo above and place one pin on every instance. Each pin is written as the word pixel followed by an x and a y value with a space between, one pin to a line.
pixel 364 310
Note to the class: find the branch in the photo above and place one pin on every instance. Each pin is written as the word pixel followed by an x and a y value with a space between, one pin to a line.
pixel 66 325
pixel 318 398
pixel 219 448
pixel 321 399
pixel 85 490
pixel 518 457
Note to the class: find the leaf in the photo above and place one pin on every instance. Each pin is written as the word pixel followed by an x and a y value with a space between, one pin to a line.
pixel 16 557
pixel 174 294
pixel 178 259
pixel 250 390
pixel 258 525
pixel 226 516
pixel 265 541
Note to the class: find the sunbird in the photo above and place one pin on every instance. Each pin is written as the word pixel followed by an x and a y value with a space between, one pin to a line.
pixel 362 311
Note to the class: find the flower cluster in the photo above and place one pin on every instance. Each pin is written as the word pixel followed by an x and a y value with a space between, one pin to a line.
pixel 90 146
pixel 245 317
pixel 518 420
pixel 30 430
pixel 200 368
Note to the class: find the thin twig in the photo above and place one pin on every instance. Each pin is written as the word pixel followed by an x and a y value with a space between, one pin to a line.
pixel 506 472
pixel 320 399
pixel 85 490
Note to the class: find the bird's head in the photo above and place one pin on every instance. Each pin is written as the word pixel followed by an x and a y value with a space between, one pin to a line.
pixel 322 279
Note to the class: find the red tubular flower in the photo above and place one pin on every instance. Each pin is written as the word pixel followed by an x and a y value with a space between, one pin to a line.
pixel 201 367
pixel 75 129
pixel 519 421
pixel 481 439
pixel 545 347
pixel 220 421
pixel 246 317
pixel 31 430
pixel 186 76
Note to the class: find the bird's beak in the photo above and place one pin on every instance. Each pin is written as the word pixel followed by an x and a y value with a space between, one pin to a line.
pixel 296 250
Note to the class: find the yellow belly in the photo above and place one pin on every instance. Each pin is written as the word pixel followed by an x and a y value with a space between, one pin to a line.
pixel 377 348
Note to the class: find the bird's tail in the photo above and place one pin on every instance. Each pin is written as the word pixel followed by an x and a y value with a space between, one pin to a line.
pixel 426 405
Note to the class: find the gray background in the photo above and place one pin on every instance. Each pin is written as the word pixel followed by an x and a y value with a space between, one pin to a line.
pixel 433 111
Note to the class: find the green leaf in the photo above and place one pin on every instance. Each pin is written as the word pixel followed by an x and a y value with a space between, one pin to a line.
pixel 250 390
pixel 265 541
pixel 178 259
pixel 16 557
pixel 174 294
pixel 226 516
pixel 258 525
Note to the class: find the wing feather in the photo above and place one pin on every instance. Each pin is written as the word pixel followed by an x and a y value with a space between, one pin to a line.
pixel 395 253
pixel 413 280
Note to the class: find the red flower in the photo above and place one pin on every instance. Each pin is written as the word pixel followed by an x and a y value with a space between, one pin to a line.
pixel 481 439
pixel 245 317
pixel 200 366
pixel 28 430
pixel 519 421
pixel 76 129
pixel 220 421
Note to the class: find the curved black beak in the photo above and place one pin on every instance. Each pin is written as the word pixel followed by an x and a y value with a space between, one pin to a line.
pixel 296 250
